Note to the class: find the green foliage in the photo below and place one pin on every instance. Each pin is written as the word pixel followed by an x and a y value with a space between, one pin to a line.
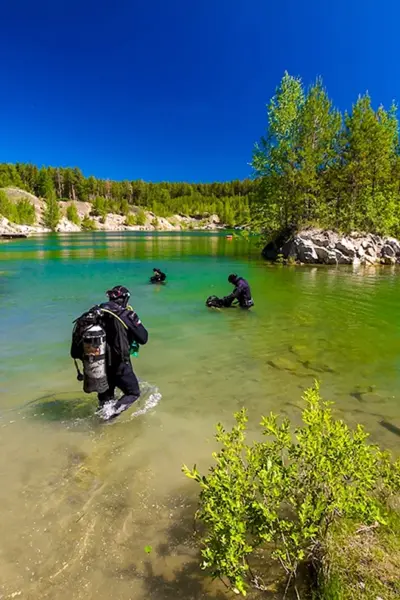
pixel 88 224
pixel 52 213
pixel 231 199
pixel 10 177
pixel 131 220
pixel 45 185
pixel 282 495
pixel 155 223
pixel 314 166
pixel 100 207
pixel 72 214
pixel 141 217
pixel 21 212
pixel 25 212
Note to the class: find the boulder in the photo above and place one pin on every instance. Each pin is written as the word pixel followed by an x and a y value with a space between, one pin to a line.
pixel 66 226
pixel 370 260
pixel 393 243
pixel 346 247
pixel 388 251
pixel 326 256
pixel 5 227
pixel 312 246
pixel 361 251
pixel 389 260
pixel 306 251
pixel 342 259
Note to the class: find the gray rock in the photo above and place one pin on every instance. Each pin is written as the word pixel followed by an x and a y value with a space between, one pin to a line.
pixel 388 251
pixel 371 260
pixel 346 247
pixel 326 256
pixel 342 259
pixel 389 260
pixel 306 251
pixel 395 244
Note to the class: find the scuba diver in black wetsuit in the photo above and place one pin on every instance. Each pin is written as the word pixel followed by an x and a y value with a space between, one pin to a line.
pixel 103 339
pixel 158 277
pixel 241 293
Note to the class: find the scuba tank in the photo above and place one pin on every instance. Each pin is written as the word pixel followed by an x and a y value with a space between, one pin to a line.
pixel 89 344
pixel 94 360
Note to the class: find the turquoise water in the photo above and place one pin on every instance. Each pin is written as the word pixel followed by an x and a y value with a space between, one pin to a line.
pixel 81 500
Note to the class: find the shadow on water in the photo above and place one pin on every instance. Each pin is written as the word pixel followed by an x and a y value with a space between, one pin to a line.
pixel 390 427
pixel 172 571
pixel 181 577
pixel 66 406
pixel 186 583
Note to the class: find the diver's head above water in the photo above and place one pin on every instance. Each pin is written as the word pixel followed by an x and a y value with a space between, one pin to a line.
pixel 233 279
pixel 119 294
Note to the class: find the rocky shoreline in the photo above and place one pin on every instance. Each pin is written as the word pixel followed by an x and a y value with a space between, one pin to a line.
pixel 111 221
pixel 317 246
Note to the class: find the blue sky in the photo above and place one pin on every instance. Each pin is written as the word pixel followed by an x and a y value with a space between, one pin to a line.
pixel 176 89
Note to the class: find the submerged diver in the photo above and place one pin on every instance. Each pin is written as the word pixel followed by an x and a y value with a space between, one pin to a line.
pixel 158 277
pixel 241 293
pixel 103 339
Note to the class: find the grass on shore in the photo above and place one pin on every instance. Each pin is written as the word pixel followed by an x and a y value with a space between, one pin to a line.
pixel 362 563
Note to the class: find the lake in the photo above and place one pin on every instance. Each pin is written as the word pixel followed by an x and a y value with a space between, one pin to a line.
pixel 80 500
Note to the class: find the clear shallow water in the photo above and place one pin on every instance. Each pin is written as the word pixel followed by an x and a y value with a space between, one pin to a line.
pixel 80 500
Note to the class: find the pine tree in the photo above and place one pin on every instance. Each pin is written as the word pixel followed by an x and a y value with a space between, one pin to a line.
pixel 318 134
pixel 369 157
pixel 52 213
pixel 45 185
pixel 275 159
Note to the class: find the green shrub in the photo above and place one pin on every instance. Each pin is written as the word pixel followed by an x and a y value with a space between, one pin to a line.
pixel 141 217
pixel 100 207
pixel 283 495
pixel 131 220
pixel 26 212
pixel 155 222
pixel 21 212
pixel 72 214
pixel 52 213
pixel 88 224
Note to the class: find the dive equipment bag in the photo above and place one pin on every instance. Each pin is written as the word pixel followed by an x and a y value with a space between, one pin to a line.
pixel 215 302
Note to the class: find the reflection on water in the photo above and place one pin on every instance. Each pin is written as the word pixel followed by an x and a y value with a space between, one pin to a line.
pixel 81 499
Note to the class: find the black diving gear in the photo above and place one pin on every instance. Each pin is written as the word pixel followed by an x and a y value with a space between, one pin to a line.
pixel 241 293
pixel 158 277
pixel 215 302
pixel 123 332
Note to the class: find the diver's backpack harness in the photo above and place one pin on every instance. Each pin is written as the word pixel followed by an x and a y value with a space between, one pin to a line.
pixel 89 344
